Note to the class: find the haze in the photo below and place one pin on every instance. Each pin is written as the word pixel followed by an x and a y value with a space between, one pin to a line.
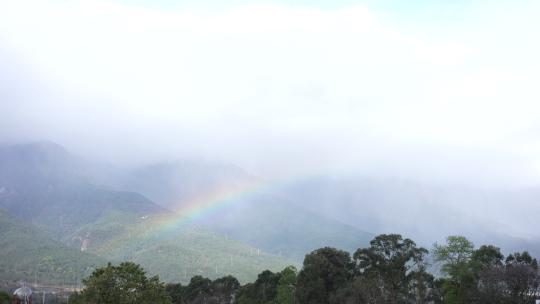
pixel 437 92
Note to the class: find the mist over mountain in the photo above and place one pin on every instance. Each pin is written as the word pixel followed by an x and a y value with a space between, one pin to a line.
pixel 364 91
pixel 226 141
pixel 69 196
pixel 47 189
pixel 426 213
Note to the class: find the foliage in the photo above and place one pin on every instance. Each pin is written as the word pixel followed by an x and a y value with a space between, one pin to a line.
pixel 286 286
pixel 521 277
pixel 198 290
pixel 394 264
pixel 391 270
pixel 480 276
pixel 30 254
pixel 182 252
pixel 262 291
pixel 324 271
pixel 270 288
pixel 455 257
pixel 224 288
pixel 123 284
pixel 4 298
pixel 203 290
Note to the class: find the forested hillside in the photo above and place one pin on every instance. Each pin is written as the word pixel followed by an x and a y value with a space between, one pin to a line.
pixel 258 217
pixel 392 269
pixel 30 254
pixel 44 188
pixel 96 209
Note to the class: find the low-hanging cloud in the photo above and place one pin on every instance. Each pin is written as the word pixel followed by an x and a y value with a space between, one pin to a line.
pixel 280 90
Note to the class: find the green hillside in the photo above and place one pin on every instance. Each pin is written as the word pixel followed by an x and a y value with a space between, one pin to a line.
pixel 50 189
pixel 281 227
pixel 271 222
pixel 31 255
pixel 175 254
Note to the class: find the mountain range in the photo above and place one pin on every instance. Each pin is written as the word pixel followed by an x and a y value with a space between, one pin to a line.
pixel 181 218
pixel 104 214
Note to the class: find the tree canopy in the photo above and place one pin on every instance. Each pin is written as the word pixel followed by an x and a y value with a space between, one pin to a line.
pixel 126 283
pixel 391 270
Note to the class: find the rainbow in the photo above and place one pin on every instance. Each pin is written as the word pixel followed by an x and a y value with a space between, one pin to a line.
pixel 211 202
pixel 189 211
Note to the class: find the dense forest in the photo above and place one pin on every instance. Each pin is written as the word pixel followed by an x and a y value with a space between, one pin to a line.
pixel 392 269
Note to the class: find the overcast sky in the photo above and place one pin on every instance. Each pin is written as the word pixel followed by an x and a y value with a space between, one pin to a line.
pixel 432 90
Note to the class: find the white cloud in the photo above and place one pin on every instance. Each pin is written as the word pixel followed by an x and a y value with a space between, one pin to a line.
pixel 290 79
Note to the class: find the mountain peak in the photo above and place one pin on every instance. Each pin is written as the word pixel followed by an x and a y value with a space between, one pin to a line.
pixel 39 150
pixel 41 146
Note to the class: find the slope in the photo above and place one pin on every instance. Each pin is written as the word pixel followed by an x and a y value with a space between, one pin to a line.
pixel 422 212
pixel 239 209
pixel 29 254
pixel 173 249
pixel 44 185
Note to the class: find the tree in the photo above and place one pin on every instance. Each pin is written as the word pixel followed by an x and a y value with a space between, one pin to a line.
pixel 460 284
pixel 123 284
pixel 223 289
pixel 487 256
pixel 247 294
pixel 491 286
pixel 521 277
pixel 454 255
pixel 198 290
pixel 262 291
pixel 286 286
pixel 361 290
pixel 4 298
pixel 176 292
pixel 203 290
pixel 489 272
pixel 397 267
pixel 421 286
pixel 324 271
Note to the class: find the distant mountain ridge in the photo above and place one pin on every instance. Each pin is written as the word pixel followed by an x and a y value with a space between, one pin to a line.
pixel 117 214
pixel 422 212
pixel 51 191
pixel 79 189
pixel 257 217
pixel 320 205
pixel 46 185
